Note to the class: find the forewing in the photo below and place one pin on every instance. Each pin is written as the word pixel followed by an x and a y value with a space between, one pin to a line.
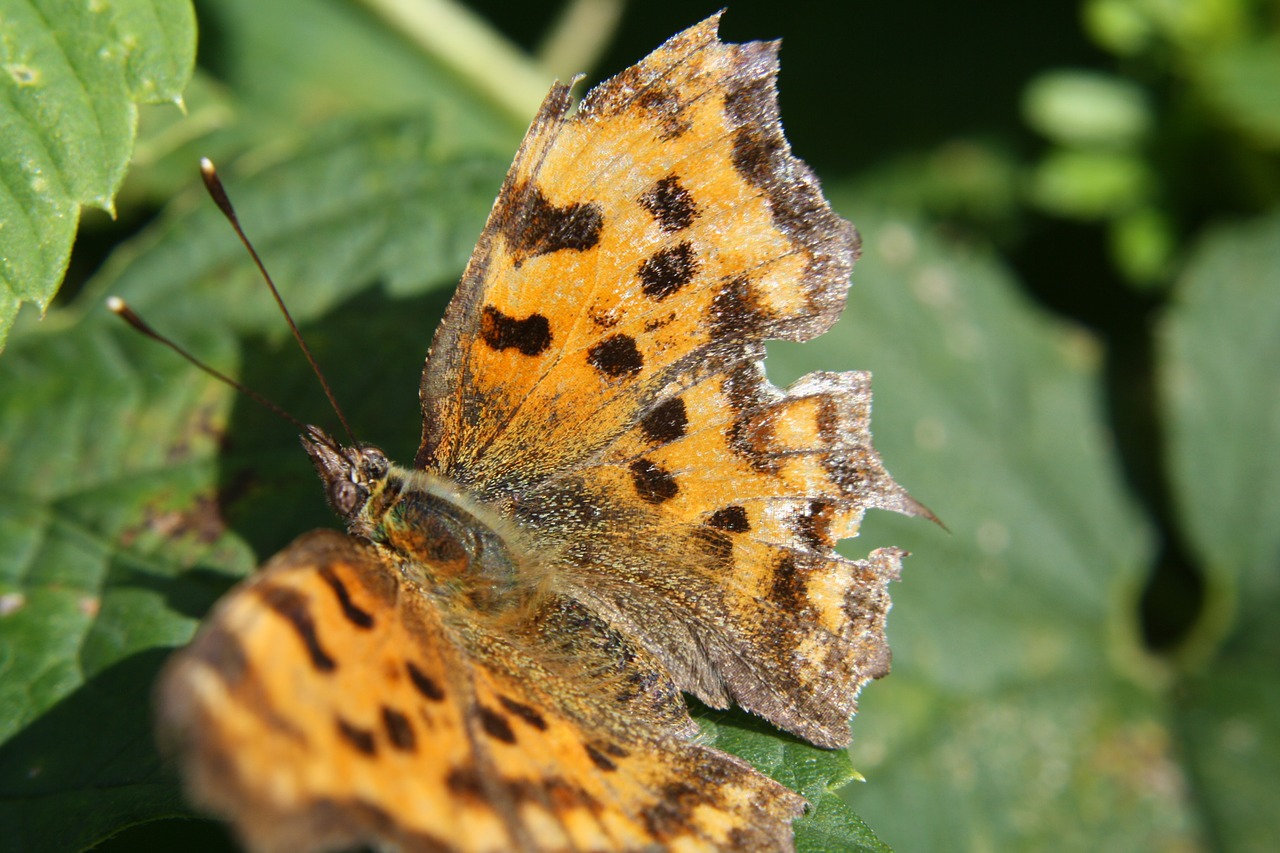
pixel 663 224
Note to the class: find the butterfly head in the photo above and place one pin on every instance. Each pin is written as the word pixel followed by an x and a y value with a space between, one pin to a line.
pixel 350 474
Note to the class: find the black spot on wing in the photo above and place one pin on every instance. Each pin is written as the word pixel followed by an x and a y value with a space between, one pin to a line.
pixel 616 356
pixel 653 484
pixel 534 226
pixel 671 812
pixel 360 739
pixel 464 783
pixel 399 730
pixel 632 88
pixel 530 336
pixel 599 759
pixel 670 204
pixel 737 311
pixel 668 270
pixel 732 519
pixel 354 614
pixel 718 547
pixel 667 421
pixel 425 684
pixel 748 438
pixel 495 725
pixel 293 607
pixel 667 109
pixel 755 154
pixel 813 525
pixel 790 585
pixel 524 712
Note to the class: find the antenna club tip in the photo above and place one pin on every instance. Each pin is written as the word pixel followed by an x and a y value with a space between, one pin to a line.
pixel 116 305
pixel 206 166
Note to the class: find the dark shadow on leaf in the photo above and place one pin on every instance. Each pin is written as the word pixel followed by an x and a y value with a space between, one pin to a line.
pixel 88 766
pixel 736 718
pixel 189 836
pixel 371 348
pixel 190 593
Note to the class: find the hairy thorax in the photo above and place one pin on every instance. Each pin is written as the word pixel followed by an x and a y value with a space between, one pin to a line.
pixel 454 548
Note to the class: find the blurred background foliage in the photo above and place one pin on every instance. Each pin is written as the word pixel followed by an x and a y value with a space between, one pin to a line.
pixel 1070 299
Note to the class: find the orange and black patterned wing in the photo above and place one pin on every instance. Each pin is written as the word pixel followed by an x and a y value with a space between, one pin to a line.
pixel 662 225
pixel 328 703
pixel 599 377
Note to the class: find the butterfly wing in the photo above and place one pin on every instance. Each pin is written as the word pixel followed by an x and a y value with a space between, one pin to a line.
pixel 599 375
pixel 664 224
pixel 326 703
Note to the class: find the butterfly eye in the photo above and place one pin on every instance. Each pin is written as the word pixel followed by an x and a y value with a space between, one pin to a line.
pixel 375 464
pixel 346 496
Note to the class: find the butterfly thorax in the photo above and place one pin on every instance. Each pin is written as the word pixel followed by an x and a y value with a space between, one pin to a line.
pixel 443 541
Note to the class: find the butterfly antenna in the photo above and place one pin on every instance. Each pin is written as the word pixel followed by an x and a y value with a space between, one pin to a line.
pixel 219 194
pixel 122 310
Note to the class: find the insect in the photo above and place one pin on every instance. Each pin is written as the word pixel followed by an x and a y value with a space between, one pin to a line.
pixel 611 506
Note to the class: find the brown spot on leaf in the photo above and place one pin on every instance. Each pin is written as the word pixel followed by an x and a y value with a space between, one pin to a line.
pixel 201 520
pixel 530 336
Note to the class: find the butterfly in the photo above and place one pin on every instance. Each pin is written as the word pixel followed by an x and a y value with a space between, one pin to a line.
pixel 611 507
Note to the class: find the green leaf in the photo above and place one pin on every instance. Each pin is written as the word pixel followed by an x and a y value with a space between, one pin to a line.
pixel 818 774
pixel 1021 712
pixel 137 489
pixel 1243 81
pixel 1083 108
pixel 1221 393
pixel 73 74
pixel 1084 184
pixel 338 59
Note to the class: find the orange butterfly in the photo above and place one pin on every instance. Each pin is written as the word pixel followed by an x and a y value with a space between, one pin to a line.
pixel 611 506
